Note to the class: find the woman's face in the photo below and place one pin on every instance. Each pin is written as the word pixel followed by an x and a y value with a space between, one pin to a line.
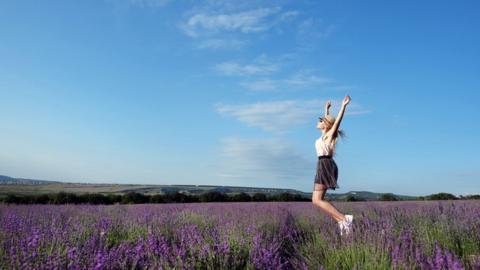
pixel 321 124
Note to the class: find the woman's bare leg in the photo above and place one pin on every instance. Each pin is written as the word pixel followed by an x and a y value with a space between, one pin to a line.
pixel 317 200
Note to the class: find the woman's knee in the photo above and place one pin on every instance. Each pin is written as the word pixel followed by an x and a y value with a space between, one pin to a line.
pixel 317 195
pixel 316 200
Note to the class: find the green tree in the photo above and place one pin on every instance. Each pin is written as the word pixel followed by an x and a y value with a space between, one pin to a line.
pixel 388 197
pixel 12 198
pixel 213 196
pixel 157 198
pixel 353 198
pixel 241 197
pixel 95 198
pixel 259 197
pixel 64 198
pixel 286 197
pixel 134 198
pixel 442 196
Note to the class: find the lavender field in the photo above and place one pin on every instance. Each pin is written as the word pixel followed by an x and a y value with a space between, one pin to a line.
pixel 267 235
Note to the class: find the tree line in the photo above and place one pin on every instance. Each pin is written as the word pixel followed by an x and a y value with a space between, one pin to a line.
pixel 140 198
pixel 177 197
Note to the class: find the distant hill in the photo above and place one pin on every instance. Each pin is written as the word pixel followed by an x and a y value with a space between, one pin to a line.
pixel 7 180
pixel 11 185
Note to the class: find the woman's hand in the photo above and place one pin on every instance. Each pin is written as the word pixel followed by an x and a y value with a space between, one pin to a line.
pixel 346 100
pixel 328 105
pixel 327 108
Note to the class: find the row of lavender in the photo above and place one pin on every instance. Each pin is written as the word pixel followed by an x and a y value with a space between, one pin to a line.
pixel 269 235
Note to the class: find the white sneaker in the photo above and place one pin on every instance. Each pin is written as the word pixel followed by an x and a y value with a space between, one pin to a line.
pixel 349 218
pixel 341 225
pixel 346 225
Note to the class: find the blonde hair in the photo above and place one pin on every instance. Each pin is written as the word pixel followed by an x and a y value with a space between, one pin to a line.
pixel 339 133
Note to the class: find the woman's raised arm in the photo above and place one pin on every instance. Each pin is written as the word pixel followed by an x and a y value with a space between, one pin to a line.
pixel 333 130
pixel 327 108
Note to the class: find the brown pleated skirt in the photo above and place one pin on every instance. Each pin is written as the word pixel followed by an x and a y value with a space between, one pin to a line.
pixel 327 172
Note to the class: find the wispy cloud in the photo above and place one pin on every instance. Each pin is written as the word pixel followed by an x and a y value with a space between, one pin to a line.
pixel 232 68
pixel 276 116
pixel 245 22
pixel 265 84
pixel 147 3
pixel 221 23
pixel 217 43
pixel 289 15
pixel 122 7
pixel 280 116
pixel 274 161
pixel 300 79
pixel 261 65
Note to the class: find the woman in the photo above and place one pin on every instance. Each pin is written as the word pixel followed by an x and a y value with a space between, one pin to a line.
pixel 327 171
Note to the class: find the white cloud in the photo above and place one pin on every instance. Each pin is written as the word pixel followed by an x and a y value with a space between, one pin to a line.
pixel 276 116
pixel 280 116
pixel 215 19
pixel 149 3
pixel 269 162
pixel 289 15
pixel 245 22
pixel 121 7
pixel 233 68
pixel 260 65
pixel 249 21
pixel 305 79
pixel 301 79
pixel 222 44
pixel 261 85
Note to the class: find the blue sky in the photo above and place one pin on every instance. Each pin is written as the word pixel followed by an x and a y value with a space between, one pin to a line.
pixel 229 92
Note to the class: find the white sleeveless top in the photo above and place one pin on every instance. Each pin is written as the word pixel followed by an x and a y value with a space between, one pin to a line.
pixel 323 148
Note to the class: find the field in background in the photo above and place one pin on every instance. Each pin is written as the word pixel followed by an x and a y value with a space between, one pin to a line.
pixel 22 186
